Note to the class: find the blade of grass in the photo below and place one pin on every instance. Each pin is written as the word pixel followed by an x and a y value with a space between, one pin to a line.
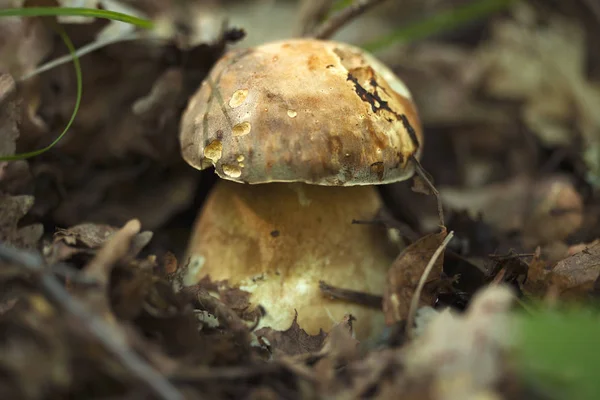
pixel 68 11
pixel 439 22
pixel 75 11
pixel 78 76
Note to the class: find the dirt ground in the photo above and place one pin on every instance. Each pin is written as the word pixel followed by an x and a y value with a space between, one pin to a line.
pixel 497 301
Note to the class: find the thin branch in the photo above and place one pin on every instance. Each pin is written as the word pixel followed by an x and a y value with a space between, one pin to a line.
pixel 414 302
pixel 95 326
pixel 329 27
pixel 310 13
pixel 420 171
pixel 365 299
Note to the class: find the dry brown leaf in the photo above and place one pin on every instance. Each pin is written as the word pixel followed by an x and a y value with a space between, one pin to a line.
pixel 544 65
pixel 87 234
pixel 9 116
pixel 544 210
pixel 292 341
pixel 574 276
pixel 405 273
pixel 12 209
pixel 24 43
pixel 463 354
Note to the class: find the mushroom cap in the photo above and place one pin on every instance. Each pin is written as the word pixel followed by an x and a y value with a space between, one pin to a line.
pixel 302 110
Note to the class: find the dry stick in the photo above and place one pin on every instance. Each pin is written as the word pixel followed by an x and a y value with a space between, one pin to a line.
pixel 114 250
pixel 353 296
pixel 423 175
pixel 337 21
pixel 414 302
pixel 310 13
pixel 94 325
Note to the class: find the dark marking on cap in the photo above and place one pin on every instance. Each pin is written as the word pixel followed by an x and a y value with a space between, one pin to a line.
pixel 411 131
pixel 275 233
pixel 373 99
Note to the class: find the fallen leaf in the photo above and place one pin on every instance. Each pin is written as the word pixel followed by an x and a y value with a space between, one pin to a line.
pixel 464 354
pixel 292 341
pixel 544 209
pixel 518 50
pixel 89 235
pixel 574 277
pixel 24 43
pixel 405 273
pixel 12 209
pixel 9 116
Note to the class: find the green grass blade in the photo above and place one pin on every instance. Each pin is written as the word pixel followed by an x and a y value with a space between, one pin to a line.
pixel 439 22
pixel 78 75
pixel 75 11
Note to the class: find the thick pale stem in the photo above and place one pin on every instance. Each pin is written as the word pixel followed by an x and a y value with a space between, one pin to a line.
pixel 278 240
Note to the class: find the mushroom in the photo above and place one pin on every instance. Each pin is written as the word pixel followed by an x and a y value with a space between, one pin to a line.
pixel 300 131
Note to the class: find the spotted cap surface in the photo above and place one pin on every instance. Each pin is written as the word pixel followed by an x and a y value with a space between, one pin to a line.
pixel 302 110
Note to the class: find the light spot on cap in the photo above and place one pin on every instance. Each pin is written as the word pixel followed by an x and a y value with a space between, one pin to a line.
pixel 240 158
pixel 292 113
pixel 241 129
pixel 214 151
pixel 238 98
pixel 232 170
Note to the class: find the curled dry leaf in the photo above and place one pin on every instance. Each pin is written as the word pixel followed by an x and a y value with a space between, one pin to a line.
pixel 405 273
pixel 292 341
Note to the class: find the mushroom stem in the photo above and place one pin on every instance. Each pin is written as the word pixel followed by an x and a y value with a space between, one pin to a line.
pixel 278 240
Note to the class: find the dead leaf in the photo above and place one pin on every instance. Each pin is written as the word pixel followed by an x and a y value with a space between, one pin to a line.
pixel 574 276
pixel 544 209
pixel 12 209
pixel 9 116
pixel 405 273
pixel 24 43
pixel 463 354
pixel 89 235
pixel 292 341
pixel 555 99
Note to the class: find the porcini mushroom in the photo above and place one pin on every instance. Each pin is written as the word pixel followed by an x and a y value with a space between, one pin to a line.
pixel 300 131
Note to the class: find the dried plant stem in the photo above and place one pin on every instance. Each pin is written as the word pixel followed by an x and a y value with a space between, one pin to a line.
pixel 420 171
pixel 414 302
pixel 329 27
pixel 94 325
pixel 310 13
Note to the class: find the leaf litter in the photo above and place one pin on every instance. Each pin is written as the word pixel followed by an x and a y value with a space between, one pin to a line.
pixel 93 232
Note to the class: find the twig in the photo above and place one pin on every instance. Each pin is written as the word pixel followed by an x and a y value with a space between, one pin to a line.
pixel 362 298
pixel 95 326
pixel 329 27
pixel 414 302
pixel 423 175
pixel 310 13
pixel 114 250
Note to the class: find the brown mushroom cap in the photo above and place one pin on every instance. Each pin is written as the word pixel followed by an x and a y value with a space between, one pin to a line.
pixel 302 110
